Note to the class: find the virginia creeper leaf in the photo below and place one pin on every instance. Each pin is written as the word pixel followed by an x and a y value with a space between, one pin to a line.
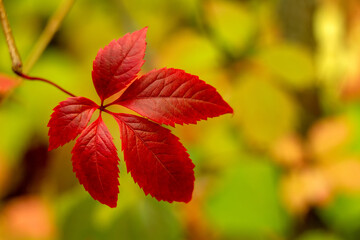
pixel 69 119
pixel 169 96
pixel 118 63
pixel 95 163
pixel 156 159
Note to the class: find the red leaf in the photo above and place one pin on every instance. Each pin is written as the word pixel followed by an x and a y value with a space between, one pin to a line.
pixel 7 84
pixel 170 96
pixel 69 119
pixel 95 163
pixel 118 63
pixel 158 162
pixel 156 159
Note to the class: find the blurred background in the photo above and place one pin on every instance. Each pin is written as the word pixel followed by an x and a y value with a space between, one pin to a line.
pixel 286 165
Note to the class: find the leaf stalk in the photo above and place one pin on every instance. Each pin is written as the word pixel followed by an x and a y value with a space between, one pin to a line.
pixel 46 81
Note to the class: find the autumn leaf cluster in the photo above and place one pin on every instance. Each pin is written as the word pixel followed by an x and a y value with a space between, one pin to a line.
pixel 156 159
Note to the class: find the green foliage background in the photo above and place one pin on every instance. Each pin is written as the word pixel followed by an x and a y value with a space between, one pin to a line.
pixel 286 165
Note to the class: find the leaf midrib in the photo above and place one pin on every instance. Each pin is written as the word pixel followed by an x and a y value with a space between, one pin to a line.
pixel 137 135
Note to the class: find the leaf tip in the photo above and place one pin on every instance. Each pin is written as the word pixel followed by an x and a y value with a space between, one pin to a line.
pixel 112 203
pixel 144 29
pixel 230 110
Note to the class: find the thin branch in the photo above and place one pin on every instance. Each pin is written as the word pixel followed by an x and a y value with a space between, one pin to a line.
pixel 46 81
pixel 14 54
pixel 48 33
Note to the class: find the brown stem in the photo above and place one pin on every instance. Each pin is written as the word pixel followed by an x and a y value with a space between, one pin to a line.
pixel 14 54
pixel 44 80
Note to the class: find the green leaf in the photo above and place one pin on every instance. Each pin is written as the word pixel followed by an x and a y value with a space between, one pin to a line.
pixel 343 214
pixel 265 112
pixel 246 202
pixel 232 23
pixel 291 64
pixel 189 51
pixel 318 235
pixel 148 220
